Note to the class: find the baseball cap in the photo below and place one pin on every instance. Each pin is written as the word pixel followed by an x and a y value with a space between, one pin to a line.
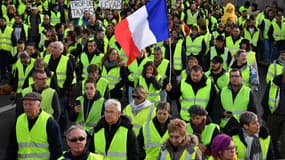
pixel 32 96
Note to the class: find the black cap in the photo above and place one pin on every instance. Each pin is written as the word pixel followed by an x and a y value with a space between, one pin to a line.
pixel 197 110
pixel 245 41
pixel 220 38
pixel 23 55
pixel 217 59
pixel 33 96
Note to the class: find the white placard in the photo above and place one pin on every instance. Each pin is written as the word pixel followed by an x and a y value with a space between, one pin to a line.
pixel 110 4
pixel 78 7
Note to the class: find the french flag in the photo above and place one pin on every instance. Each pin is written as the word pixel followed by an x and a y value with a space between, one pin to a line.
pixel 146 26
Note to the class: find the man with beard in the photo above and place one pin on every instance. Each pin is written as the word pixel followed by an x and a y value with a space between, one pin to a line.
pixel 218 74
pixel 201 126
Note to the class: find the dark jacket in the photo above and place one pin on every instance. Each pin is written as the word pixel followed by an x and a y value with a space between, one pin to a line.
pixel 68 156
pixel 160 129
pixel 53 135
pixel 110 131
pixel 263 133
pixel 279 110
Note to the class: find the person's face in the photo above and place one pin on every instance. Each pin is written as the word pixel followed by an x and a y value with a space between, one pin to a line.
pixel 2 22
pixel 109 29
pixel 282 56
pixel 93 74
pixel 235 78
pixel 229 152
pixel 197 119
pixel 251 23
pixel 149 70
pixel 31 108
pixel 242 58
pixel 243 46
pixel 176 138
pixel 91 47
pixel 253 126
pixel 34 11
pixel 220 44
pixel 162 115
pixel 30 50
pixel 191 63
pixel 196 76
pixel 90 90
pixel 21 47
pixel 216 66
pixel 138 99
pixel 18 19
pixel 76 141
pixel 157 55
pixel 56 50
pixel 236 32
pixel 113 55
pixel 194 31
pixel 40 80
pixel 46 19
pixel 112 115
pixel 25 61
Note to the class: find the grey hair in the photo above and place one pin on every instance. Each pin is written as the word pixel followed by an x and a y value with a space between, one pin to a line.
pixel 247 117
pixel 73 127
pixel 113 102
pixel 60 44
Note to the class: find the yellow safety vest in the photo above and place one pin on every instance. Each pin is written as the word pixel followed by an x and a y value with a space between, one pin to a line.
pixel 32 143
pixel 95 60
pixel 23 75
pixel 189 98
pixel 193 47
pixel 60 69
pixel 113 76
pixel 191 18
pixel 233 46
pixel 153 94
pixel 273 99
pixel 251 57
pixel 162 67
pixel 140 118
pixel 267 24
pixel 184 156
pixel 236 106
pixel 241 148
pixel 136 69
pixel 221 82
pixel 278 32
pixel 47 96
pixel 93 116
pixel 207 133
pixel 5 40
pixel 118 147
pixel 152 140
pixel 253 38
pixel 225 55
pixel 91 156
pixel 54 17
pixel 274 69
pixel 177 57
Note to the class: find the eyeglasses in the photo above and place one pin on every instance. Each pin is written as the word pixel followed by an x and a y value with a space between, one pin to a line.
pixel 75 139
pixel 138 97
pixel 231 148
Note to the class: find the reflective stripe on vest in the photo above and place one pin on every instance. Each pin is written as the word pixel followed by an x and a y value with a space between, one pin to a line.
pixel 60 69
pixel 267 24
pixel 162 67
pixel 184 156
pixel 278 32
pixel 47 97
pixel 253 38
pixel 153 94
pixel 152 140
pixel 136 69
pixel 233 46
pixel 274 69
pixel 213 53
pixel 5 40
pixel 239 104
pixel 177 57
pixel 118 146
pixel 23 75
pixel 144 115
pixel 207 133
pixel 242 149
pixel 93 115
pixel 193 47
pixel 274 97
pixel 55 17
pixel 189 97
pixel 85 62
pixel 32 143
pixel 113 76
pixel 191 18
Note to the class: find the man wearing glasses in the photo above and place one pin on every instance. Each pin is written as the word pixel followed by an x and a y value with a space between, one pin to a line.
pixel 36 133
pixel 113 136
pixel 233 100
pixel 76 139
pixel 50 101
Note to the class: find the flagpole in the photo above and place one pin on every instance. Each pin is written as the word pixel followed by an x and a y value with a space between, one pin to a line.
pixel 170 59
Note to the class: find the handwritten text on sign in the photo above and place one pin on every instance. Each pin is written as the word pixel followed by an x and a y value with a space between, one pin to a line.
pixel 78 7
pixel 110 4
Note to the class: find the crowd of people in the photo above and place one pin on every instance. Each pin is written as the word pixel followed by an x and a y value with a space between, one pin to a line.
pixel 192 96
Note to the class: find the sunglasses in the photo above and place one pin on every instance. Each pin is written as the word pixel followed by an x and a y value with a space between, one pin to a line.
pixel 134 97
pixel 75 139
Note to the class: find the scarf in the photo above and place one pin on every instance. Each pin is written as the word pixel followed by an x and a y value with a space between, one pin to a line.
pixel 255 152
pixel 198 129
pixel 137 108
pixel 112 64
